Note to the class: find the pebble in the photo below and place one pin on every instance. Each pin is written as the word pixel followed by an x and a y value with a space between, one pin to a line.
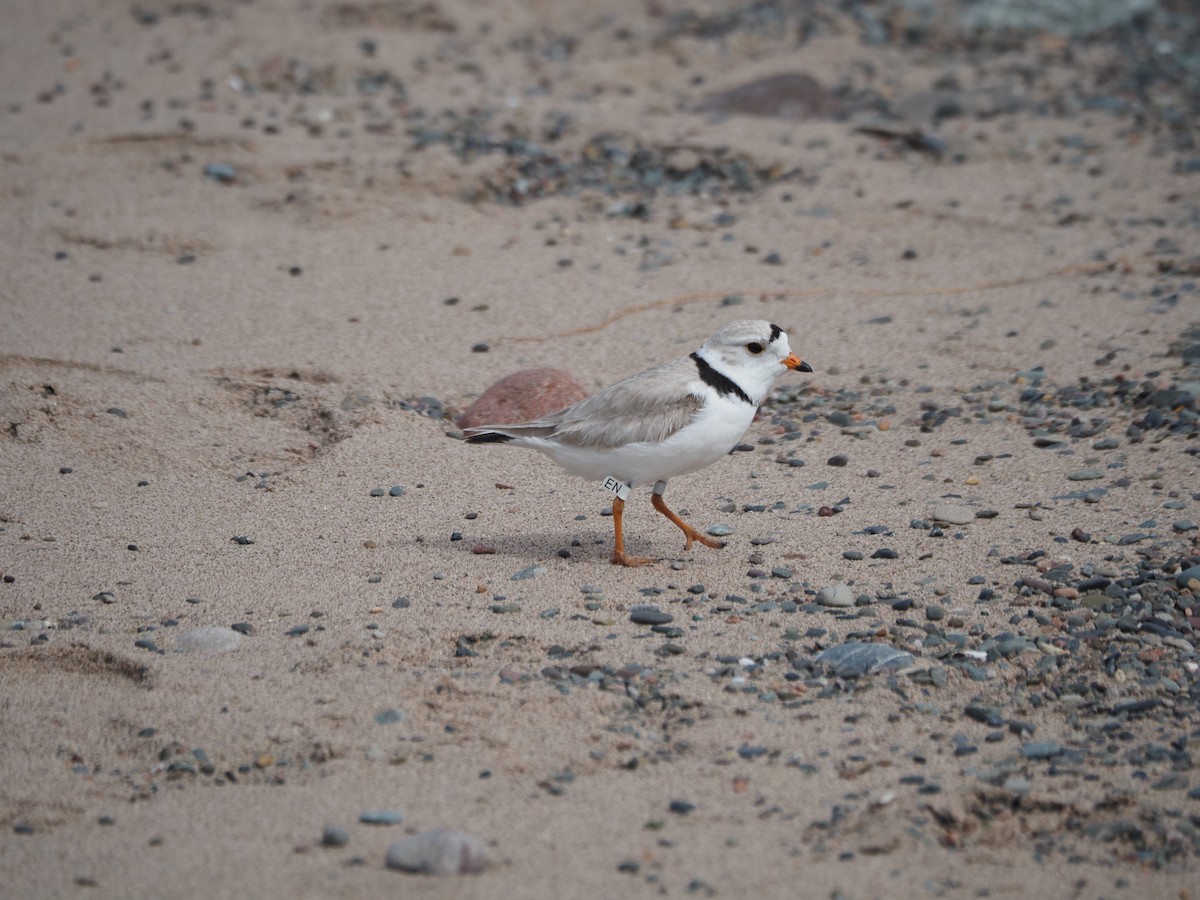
pixel 222 173
pixel 521 396
pixel 333 836
pixel 529 572
pixel 857 658
pixel 649 615
pixel 720 530
pixel 838 595
pixel 952 514
pixel 1041 750
pixel 788 95
pixel 208 639
pixel 440 852
pixel 381 817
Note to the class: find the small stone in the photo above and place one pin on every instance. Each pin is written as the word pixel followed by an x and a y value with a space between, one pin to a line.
pixel 389 717
pixel 720 530
pixel 952 514
pixel 396 491
pixel 528 394
pixel 1041 750
pixel 333 836
pixel 381 817
pixel 1085 475
pixel 208 639
pixel 222 173
pixel 857 658
pixel 681 807
pixel 528 572
pixel 440 852
pixel 838 595
pixel 838 460
pixel 649 615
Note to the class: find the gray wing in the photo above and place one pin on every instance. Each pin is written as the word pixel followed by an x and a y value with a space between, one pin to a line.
pixel 650 406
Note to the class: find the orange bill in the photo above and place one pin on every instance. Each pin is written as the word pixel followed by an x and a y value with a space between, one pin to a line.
pixel 792 361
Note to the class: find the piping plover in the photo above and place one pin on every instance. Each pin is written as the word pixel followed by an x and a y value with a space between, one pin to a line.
pixel 669 420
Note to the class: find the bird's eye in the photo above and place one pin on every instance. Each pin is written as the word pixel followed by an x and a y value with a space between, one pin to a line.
pixel 755 347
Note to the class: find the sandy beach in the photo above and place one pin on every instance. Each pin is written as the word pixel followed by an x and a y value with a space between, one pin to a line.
pixel 266 615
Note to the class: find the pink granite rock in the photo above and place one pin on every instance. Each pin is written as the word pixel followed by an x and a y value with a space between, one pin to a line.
pixel 521 396
pixel 790 95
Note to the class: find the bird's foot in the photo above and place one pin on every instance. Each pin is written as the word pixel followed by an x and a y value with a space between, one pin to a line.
pixel 620 558
pixel 691 534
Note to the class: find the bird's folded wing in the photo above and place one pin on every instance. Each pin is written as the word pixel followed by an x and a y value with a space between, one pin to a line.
pixel 650 406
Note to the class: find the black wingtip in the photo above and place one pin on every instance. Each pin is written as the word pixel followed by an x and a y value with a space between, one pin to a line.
pixel 488 437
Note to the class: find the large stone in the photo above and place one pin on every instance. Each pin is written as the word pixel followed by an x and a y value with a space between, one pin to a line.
pixel 521 396
pixel 790 95
pixel 440 852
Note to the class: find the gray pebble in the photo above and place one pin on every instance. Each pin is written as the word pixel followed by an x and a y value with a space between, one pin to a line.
pixel 1184 525
pixel 649 615
pixel 720 530
pixel 1085 475
pixel 440 852
pixel 1187 575
pixel 389 717
pixel 856 658
pixel 381 817
pixel 529 572
pixel 207 639
pixel 333 836
pixel 1041 750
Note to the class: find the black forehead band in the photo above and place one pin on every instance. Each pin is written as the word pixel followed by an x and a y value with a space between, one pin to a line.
pixel 776 331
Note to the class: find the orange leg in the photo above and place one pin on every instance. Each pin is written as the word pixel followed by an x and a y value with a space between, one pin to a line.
pixel 689 532
pixel 619 556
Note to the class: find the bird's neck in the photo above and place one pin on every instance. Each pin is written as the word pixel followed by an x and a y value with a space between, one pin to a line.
pixel 742 385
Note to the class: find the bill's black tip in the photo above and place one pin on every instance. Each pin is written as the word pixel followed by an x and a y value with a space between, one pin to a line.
pixel 489 437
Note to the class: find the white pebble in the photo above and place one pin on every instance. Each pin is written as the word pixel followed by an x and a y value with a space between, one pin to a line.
pixel 440 852
pixel 207 639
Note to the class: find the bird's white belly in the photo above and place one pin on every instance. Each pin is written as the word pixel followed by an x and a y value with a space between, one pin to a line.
pixel 703 441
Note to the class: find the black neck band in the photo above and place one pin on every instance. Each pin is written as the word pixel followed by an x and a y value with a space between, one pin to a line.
pixel 718 382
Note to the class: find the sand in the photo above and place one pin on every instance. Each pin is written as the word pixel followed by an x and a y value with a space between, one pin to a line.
pixel 231 274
